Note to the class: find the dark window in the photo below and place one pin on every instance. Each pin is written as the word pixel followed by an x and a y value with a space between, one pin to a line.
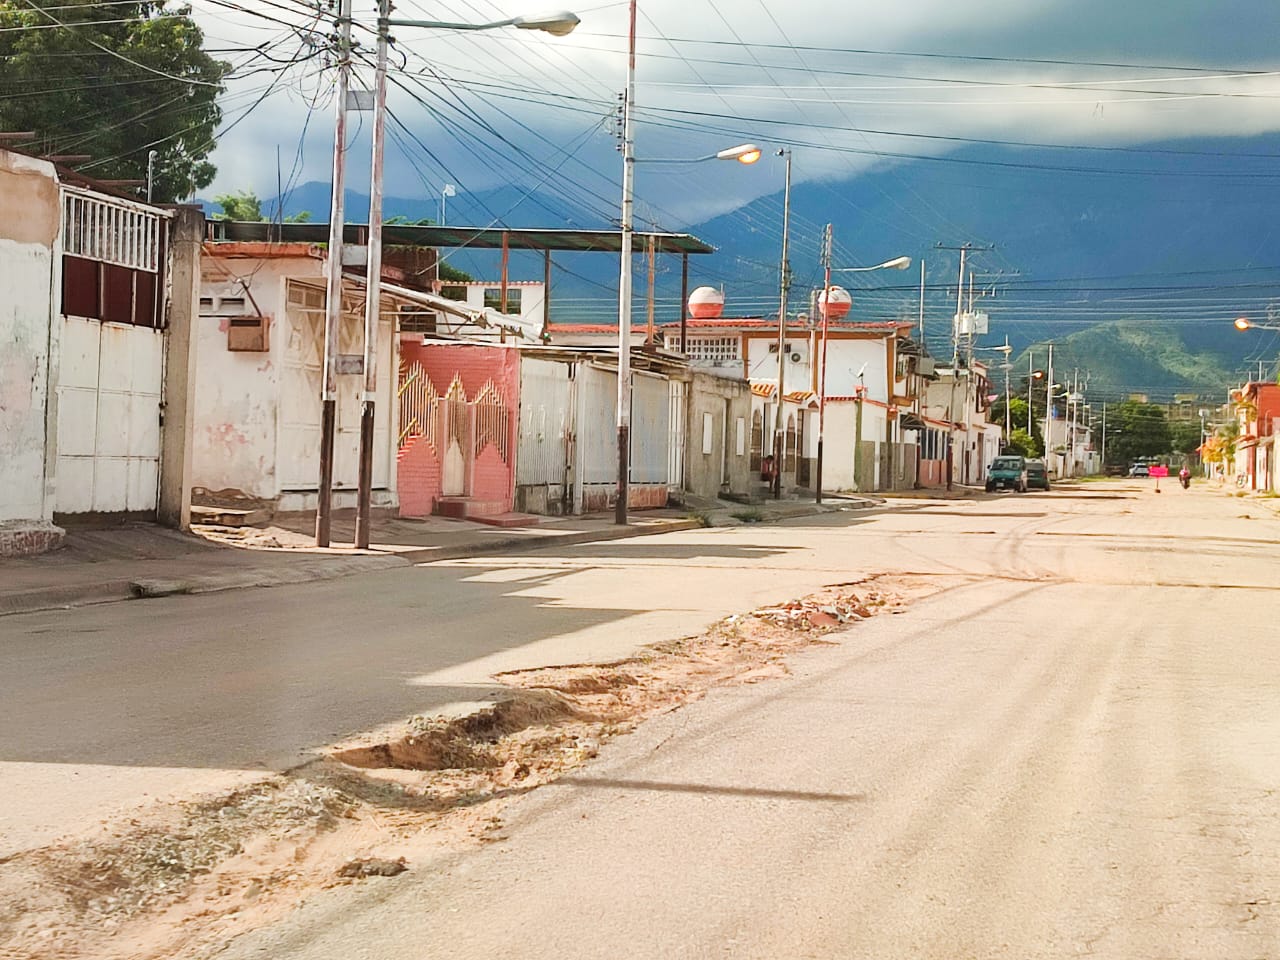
pixel 493 300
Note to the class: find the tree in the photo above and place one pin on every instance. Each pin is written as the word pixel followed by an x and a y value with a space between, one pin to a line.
pixel 1022 442
pixel 1185 436
pixel 113 81
pixel 1137 430
pixel 243 206
pixel 1019 422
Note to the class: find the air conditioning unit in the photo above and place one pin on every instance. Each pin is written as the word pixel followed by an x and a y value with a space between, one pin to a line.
pixel 925 366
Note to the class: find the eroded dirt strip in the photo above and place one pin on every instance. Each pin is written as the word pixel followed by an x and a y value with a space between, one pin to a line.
pixel 190 875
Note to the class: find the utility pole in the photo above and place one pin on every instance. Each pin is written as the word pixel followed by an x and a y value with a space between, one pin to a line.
pixel 922 344
pixel 373 286
pixel 333 297
pixel 784 285
pixel 1008 370
pixel 1048 403
pixel 624 282
pixel 824 305
pixel 1104 437
pixel 1031 380
pixel 955 369
pixel 151 173
pixel 955 355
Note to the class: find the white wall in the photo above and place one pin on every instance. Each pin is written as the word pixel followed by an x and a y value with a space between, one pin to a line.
pixel 235 410
pixel 845 358
pixel 257 414
pixel 532 294
pixel 29 219
pixel 762 361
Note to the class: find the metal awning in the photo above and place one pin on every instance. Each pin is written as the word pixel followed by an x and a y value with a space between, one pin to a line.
pixel 476 238
pixel 482 317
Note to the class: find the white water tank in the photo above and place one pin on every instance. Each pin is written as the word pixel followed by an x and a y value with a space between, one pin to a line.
pixel 835 303
pixel 706 303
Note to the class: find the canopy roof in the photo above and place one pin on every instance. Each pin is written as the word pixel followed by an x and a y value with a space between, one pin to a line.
pixel 480 238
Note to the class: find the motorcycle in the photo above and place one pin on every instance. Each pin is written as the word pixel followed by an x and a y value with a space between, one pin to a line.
pixel 1184 478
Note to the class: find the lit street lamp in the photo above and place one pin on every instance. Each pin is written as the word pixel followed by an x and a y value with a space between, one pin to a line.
pixel 557 24
pixel 744 153
pixel 1244 323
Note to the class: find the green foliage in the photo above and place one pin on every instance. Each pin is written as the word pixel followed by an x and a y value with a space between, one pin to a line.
pixel 1185 436
pixel 302 216
pixel 1026 437
pixel 243 206
pixel 450 274
pixel 1136 430
pixel 117 81
pixel 1022 442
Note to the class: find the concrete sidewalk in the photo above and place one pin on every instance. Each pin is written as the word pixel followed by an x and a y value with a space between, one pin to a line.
pixel 137 560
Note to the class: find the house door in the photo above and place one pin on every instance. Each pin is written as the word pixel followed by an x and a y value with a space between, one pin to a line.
pixel 724 445
pixel 457 438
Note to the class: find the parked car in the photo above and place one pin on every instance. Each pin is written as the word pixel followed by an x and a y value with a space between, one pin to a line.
pixel 1037 475
pixel 1140 470
pixel 1007 472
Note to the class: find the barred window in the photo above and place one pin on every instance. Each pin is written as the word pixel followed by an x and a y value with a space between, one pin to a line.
pixel 715 349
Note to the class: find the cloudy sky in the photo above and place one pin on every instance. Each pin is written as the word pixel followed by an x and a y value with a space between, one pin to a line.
pixel 844 85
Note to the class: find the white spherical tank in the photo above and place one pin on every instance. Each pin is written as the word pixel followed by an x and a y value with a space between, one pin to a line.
pixel 835 303
pixel 706 303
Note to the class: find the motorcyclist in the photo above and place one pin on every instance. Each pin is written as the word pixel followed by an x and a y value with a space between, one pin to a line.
pixel 1184 477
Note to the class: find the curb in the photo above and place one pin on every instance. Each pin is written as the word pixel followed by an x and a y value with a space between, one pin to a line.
pixel 309 571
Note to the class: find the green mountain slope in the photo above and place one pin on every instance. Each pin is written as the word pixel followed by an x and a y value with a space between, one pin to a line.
pixel 1134 356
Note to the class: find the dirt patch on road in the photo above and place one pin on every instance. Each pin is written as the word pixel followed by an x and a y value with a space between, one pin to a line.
pixel 183 878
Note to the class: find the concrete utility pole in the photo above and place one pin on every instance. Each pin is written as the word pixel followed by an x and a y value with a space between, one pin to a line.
pixel 955 355
pixel 624 280
pixel 1031 379
pixel 373 286
pixel 333 288
pixel 1048 403
pixel 784 285
pixel 955 370
pixel 828 238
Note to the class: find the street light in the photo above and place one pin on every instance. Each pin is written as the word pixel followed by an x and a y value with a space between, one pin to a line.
pixel 744 153
pixel 897 263
pixel 557 24
pixel 1244 323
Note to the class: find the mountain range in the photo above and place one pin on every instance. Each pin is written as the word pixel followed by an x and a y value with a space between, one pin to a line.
pixel 1174 244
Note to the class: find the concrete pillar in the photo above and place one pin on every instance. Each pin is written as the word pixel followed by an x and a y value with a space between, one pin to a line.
pixel 186 235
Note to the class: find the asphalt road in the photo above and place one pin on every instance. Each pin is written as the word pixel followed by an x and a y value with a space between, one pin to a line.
pixel 1076 756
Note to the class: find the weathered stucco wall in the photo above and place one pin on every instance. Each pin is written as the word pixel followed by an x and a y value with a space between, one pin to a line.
pixel 719 410
pixel 234 442
pixel 28 229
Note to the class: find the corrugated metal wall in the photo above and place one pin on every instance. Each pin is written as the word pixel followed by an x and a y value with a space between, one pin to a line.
pixel 650 428
pixel 546 423
pixel 597 430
